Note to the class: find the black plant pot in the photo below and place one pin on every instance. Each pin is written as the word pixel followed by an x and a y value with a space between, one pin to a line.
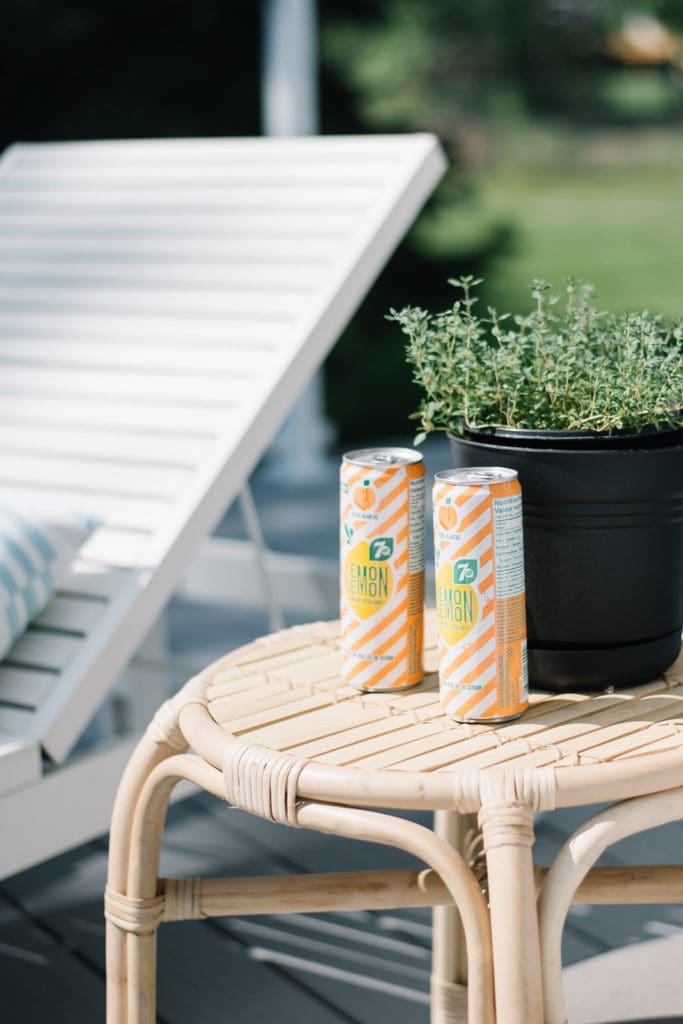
pixel 603 536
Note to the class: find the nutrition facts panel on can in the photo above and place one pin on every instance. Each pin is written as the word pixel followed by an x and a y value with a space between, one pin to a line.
pixel 508 545
pixel 416 525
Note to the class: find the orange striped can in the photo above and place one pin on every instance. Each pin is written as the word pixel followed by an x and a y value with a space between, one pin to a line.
pixel 479 564
pixel 382 504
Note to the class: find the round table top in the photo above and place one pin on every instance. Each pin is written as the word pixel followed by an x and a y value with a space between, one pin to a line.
pixel 285 692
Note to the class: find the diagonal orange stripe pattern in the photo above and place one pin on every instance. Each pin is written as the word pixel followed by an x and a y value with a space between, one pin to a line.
pixel 379 609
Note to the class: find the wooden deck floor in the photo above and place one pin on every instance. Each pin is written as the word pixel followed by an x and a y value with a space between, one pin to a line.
pixel 360 968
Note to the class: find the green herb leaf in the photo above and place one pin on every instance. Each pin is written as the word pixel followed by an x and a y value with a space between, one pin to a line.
pixel 565 365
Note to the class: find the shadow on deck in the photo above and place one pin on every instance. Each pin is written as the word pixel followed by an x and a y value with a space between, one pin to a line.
pixel 359 968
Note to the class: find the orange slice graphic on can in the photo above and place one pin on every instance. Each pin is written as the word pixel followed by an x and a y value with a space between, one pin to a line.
pixel 364 496
pixel 448 516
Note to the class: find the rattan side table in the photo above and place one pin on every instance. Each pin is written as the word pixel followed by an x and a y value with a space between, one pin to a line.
pixel 274 731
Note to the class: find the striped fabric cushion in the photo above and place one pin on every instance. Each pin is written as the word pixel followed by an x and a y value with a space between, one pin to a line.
pixel 36 547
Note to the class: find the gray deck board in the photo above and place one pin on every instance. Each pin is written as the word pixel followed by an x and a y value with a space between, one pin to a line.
pixel 368 1002
pixel 206 976
pixel 364 969
pixel 620 925
pixel 353 968
pixel 198 962
pixel 40 978
pixel 305 850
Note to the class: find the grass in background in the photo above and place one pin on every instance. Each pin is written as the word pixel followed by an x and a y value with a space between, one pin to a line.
pixel 603 206
pixel 624 233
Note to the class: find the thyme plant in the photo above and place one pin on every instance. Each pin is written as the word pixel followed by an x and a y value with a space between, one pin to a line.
pixel 565 365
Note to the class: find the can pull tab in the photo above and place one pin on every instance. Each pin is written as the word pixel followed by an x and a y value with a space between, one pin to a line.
pixel 386 458
pixel 482 476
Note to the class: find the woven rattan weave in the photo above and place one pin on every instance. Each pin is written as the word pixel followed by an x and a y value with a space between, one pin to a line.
pixel 285 692
pixel 276 732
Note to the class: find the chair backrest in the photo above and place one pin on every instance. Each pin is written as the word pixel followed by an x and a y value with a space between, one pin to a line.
pixel 162 305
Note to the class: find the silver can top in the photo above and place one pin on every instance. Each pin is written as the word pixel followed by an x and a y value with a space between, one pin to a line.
pixel 383 458
pixel 476 475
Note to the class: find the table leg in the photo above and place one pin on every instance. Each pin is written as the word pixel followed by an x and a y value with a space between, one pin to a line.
pixel 148 754
pixel 449 953
pixel 449 959
pixel 572 864
pixel 508 839
pixel 465 892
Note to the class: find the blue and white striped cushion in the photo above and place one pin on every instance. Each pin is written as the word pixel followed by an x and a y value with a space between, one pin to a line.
pixel 36 547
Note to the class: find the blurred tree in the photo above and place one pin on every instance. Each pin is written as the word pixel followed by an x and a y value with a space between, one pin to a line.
pixel 378 75
pixel 448 65
pixel 370 393
pixel 669 11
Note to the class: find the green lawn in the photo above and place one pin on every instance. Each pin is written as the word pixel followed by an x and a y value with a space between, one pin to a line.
pixel 608 210
pixel 621 231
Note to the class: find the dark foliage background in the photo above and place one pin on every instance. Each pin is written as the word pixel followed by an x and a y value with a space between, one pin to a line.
pixel 72 69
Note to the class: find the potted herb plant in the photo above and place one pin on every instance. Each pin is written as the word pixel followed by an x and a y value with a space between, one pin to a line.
pixel 587 407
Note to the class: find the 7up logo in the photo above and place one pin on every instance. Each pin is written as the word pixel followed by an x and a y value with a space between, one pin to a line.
pixel 465 570
pixel 381 549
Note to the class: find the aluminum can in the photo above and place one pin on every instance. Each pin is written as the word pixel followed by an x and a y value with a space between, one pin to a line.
pixel 479 567
pixel 382 504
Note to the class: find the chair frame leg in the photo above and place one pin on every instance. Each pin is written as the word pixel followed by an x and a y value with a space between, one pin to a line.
pixel 146 757
pixel 138 849
pixel 252 523
pixel 421 842
pixel 449 952
pixel 572 864
pixel 508 840
pixel 143 884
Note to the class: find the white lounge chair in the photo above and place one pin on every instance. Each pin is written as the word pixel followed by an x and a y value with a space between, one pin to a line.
pixel 162 305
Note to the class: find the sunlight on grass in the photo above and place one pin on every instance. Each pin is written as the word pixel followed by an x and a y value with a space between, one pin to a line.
pixel 620 228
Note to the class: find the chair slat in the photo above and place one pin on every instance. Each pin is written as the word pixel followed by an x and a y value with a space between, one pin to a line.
pixel 126 513
pixel 135 270
pixel 228 301
pixel 213 253
pixel 47 650
pixel 169 177
pixel 213 197
pixel 287 223
pixel 161 306
pixel 95 352
pixel 96 582
pixel 154 388
pixel 152 449
pixel 24 687
pixel 115 416
pixel 204 332
pixel 123 549
pixel 20 759
pixel 70 614
pixel 19 722
pixel 92 475
pixel 190 154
